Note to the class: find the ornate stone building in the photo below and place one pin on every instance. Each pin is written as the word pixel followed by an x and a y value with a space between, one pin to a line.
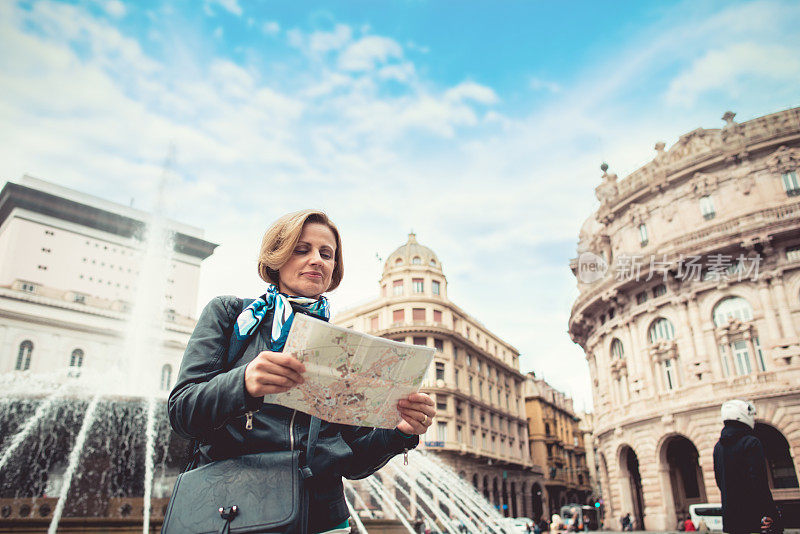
pixel 556 442
pixel 689 280
pixel 480 429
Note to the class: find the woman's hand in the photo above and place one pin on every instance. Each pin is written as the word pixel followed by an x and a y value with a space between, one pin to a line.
pixel 417 411
pixel 272 372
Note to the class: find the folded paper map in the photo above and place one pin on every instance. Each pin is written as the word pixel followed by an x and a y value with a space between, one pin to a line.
pixel 351 378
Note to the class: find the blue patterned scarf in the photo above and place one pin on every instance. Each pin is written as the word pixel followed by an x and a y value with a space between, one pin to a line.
pixel 251 317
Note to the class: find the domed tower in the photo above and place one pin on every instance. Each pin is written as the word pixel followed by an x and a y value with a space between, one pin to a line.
pixel 475 380
pixel 413 269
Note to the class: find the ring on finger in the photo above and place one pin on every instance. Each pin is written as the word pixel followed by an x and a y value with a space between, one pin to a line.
pixel 425 420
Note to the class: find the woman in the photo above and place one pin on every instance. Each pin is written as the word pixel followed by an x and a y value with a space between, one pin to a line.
pixel 221 405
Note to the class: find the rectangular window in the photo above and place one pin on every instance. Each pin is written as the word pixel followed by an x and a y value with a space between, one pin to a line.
pixel 790 184
pixel 793 254
pixel 459 436
pixel 469 359
pixel 643 235
pixel 441 402
pixel 373 323
pixel 437 316
pixel 707 207
pixel 669 375
pixel 398 316
pixel 474 440
pixel 397 288
pixel 418 284
pixel 457 380
pixel 470 385
pixel 439 370
pixel 435 287
pixel 659 290
pixel 441 429
pixel 422 341
pixel 741 358
pixel 438 344
pixel 418 314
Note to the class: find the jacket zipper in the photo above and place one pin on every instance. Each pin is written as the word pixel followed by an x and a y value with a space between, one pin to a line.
pixel 291 431
pixel 248 425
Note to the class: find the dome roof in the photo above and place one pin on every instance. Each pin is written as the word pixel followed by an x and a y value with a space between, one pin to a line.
pixel 412 253
pixel 590 228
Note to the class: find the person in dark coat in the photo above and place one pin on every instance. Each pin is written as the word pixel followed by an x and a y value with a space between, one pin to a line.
pixel 741 474
pixel 222 406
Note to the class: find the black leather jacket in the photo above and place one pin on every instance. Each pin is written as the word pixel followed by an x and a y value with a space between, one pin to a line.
pixel 211 404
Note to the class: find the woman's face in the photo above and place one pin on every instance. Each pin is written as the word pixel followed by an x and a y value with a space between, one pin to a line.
pixel 310 268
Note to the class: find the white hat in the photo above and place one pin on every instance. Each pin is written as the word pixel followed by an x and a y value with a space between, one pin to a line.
pixel 739 410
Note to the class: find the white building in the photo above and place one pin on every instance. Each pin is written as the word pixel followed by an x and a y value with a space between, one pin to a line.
pixel 69 272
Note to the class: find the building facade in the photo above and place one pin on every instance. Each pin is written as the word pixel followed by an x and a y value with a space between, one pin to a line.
pixel 556 442
pixel 689 280
pixel 480 427
pixel 72 269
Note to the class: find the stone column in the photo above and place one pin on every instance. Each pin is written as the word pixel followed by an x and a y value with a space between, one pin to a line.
pixel 779 293
pixel 636 367
pixel 769 314
pixel 687 332
pixel 699 343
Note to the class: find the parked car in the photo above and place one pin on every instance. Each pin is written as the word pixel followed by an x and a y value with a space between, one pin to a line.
pixel 518 525
pixel 709 513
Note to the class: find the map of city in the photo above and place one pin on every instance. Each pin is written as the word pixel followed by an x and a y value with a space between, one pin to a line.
pixel 351 378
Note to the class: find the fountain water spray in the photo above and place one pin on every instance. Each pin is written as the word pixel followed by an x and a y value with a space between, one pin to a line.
pixel 72 464
pixel 20 436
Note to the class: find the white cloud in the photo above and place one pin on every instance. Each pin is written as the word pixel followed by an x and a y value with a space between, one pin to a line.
pixel 115 8
pixel 322 42
pixel 472 91
pixel 403 72
pixel 367 52
pixel 231 6
pixel 538 85
pixel 271 27
pixel 726 69
pixel 218 32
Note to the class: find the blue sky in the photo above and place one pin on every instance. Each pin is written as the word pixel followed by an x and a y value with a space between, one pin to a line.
pixel 479 125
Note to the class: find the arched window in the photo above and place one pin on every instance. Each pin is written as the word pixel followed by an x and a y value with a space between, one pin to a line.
pixel 76 359
pixel 24 355
pixel 75 363
pixel 732 308
pixel 739 347
pixel 617 350
pixel 433 262
pixel 416 260
pixel 661 329
pixel 398 261
pixel 166 377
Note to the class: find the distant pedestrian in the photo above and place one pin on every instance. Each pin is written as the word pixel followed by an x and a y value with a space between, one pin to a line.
pixel 688 526
pixel 740 471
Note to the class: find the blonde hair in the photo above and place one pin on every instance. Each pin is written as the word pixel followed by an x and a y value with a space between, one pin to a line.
pixel 281 238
